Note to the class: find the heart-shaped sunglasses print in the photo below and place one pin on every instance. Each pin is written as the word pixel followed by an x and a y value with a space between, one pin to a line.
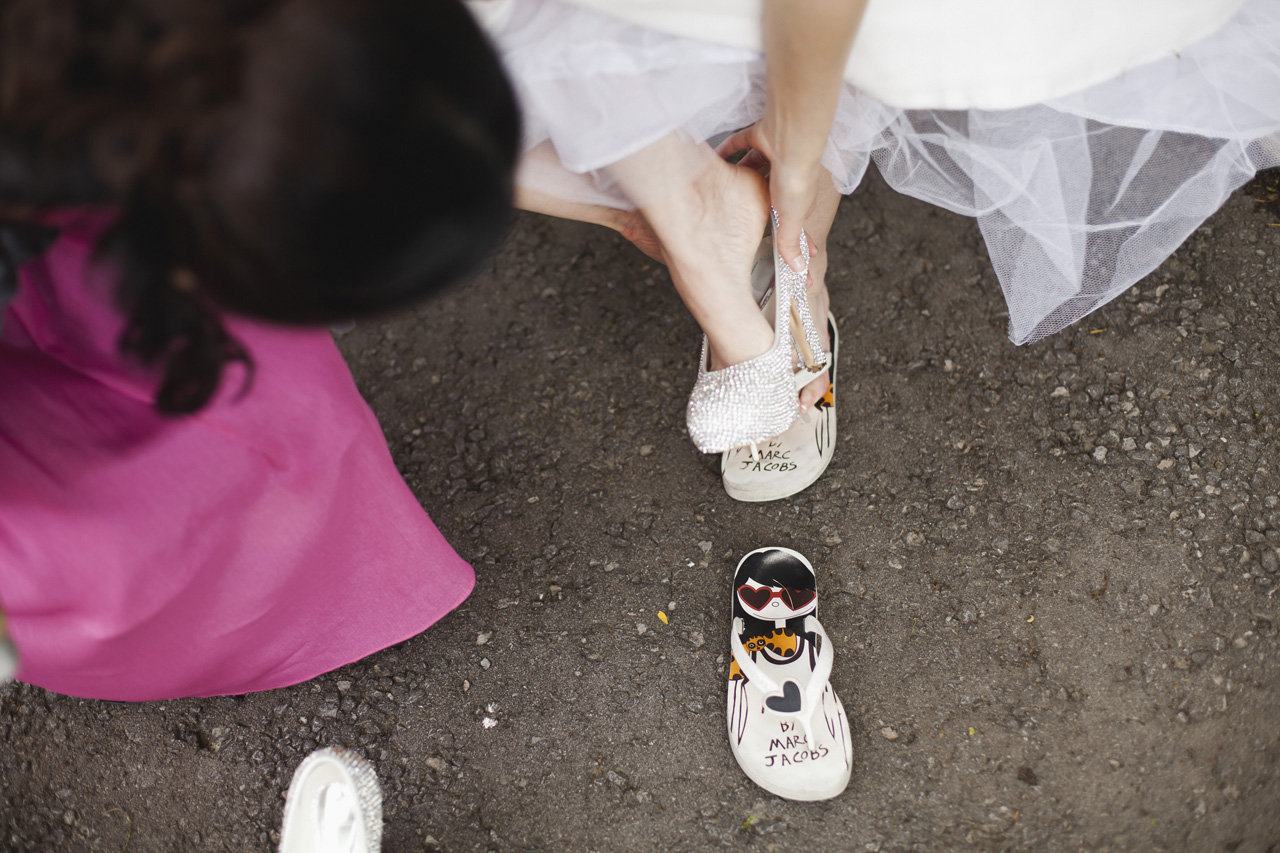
pixel 758 597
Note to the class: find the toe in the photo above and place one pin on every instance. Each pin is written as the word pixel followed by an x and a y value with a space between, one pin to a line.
pixel 814 391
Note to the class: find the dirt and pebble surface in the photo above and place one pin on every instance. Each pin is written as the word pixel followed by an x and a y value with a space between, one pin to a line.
pixel 1049 573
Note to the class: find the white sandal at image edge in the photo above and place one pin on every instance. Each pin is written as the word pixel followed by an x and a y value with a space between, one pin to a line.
pixel 334 805
pixel 787 728
pixel 8 659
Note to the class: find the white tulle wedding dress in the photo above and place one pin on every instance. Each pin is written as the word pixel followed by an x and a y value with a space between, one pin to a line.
pixel 1088 138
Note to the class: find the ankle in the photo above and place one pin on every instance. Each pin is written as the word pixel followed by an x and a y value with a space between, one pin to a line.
pixel 733 337
pixel 720 198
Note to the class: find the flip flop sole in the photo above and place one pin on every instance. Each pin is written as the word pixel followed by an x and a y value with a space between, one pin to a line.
pixel 787 770
pixel 793 461
pixel 787 749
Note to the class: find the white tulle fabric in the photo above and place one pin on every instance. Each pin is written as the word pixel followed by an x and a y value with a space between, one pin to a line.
pixel 964 54
pixel 1077 197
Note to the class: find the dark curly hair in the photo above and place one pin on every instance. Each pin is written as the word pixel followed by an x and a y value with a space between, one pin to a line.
pixel 300 161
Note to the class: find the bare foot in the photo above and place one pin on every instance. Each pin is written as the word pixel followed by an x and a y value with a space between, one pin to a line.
pixel 707 224
pixel 709 228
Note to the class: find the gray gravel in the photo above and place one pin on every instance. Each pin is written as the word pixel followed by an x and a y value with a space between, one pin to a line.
pixel 1049 572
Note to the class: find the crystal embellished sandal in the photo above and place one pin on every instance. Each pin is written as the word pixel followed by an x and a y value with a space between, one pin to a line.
pixel 333 805
pixel 746 403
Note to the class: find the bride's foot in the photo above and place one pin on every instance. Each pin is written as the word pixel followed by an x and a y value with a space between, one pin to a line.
pixel 705 218
pixel 709 230
pixel 712 234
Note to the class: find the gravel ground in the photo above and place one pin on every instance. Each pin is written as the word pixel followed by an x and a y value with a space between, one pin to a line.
pixel 1049 573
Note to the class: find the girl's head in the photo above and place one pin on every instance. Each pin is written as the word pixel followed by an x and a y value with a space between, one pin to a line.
pixel 774 584
pixel 299 161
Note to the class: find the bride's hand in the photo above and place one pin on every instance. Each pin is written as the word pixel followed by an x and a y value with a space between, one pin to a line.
pixel 794 185
pixel 636 229
pixel 629 223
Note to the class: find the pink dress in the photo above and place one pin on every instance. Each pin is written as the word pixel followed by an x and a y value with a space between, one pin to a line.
pixel 257 544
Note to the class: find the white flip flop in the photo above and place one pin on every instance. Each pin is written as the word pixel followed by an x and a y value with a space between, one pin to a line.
pixel 789 463
pixel 787 728
pixel 333 805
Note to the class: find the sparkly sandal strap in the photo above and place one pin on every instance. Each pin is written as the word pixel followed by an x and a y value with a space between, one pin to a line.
pixel 792 285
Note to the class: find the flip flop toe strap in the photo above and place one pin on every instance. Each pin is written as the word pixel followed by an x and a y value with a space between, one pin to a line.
pixel 777 697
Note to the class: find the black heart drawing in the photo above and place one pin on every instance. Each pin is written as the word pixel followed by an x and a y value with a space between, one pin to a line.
pixel 788 702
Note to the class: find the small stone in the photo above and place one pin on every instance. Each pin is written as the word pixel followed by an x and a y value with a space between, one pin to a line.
pixel 218 736
pixel 436 763
pixel 1100 453
pixel 889 733
pixel 485 663
pixel 1060 391
pixel 646 449
pixel 483 637
pixel 489 722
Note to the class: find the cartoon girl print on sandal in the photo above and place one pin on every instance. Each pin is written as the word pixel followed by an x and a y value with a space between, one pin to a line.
pixel 787 728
